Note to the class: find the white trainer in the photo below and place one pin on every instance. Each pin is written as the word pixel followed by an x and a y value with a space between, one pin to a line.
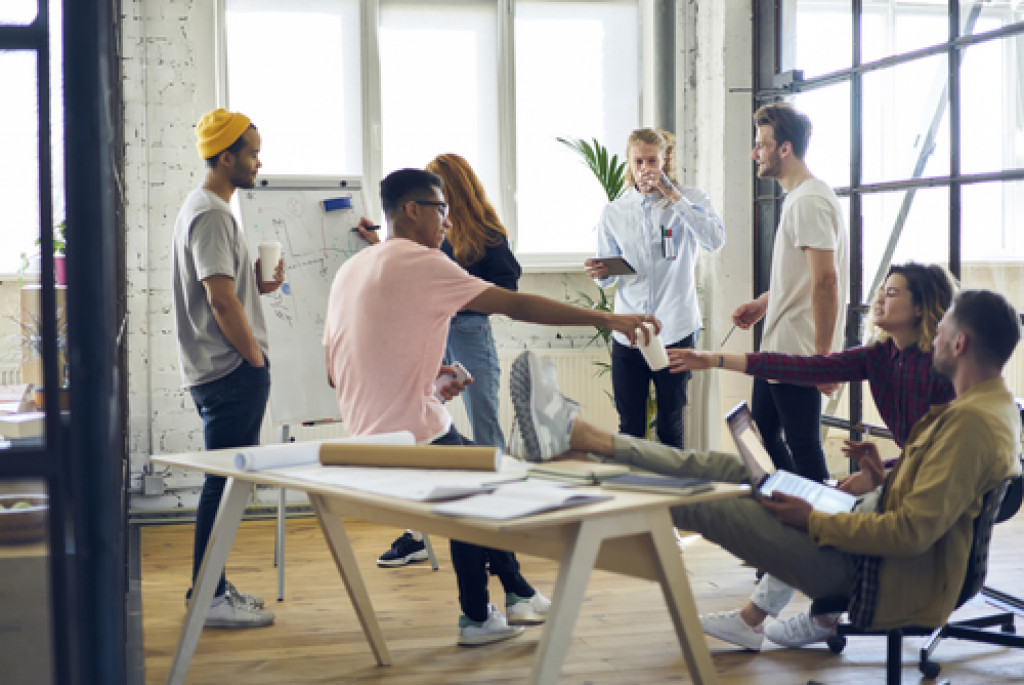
pixel 544 416
pixel 231 611
pixel 526 610
pixel 495 628
pixel 730 627
pixel 802 629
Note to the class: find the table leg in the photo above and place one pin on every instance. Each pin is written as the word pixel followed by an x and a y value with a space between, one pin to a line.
pixel 573 574
pixel 679 599
pixel 229 514
pixel 345 559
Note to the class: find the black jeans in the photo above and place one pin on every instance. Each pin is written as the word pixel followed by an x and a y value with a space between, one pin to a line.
pixel 471 562
pixel 795 410
pixel 631 379
pixel 232 410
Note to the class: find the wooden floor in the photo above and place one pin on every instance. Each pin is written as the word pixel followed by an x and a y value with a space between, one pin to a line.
pixel 623 635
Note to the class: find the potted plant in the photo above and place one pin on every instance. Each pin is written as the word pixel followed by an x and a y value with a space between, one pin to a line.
pixel 59 246
pixel 32 352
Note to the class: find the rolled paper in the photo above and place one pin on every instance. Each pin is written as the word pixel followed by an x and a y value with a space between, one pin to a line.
pixel 452 457
pixel 261 458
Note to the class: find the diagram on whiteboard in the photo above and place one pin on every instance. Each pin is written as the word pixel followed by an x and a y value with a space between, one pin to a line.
pixel 313 220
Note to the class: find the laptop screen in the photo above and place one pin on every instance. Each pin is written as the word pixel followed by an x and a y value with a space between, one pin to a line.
pixel 754 455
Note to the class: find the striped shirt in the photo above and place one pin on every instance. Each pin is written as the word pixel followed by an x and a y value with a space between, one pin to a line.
pixel 902 382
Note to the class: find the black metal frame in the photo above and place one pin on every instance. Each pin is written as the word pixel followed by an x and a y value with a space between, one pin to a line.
pixel 772 84
pixel 83 458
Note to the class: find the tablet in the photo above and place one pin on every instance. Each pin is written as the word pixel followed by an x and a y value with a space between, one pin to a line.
pixel 617 266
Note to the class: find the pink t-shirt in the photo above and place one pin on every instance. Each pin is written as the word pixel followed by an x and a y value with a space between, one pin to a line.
pixel 385 333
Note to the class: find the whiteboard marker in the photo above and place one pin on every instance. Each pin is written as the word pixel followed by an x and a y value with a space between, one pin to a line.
pixel 368 228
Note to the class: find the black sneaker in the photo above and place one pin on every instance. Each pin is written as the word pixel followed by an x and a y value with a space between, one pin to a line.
pixel 404 550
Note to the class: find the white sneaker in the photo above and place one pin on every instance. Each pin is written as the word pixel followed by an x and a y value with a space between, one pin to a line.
pixel 255 600
pixel 526 610
pixel 230 611
pixel 802 629
pixel 544 416
pixel 495 628
pixel 730 627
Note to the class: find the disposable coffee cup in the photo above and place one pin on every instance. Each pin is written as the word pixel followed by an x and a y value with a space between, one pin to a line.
pixel 270 255
pixel 654 351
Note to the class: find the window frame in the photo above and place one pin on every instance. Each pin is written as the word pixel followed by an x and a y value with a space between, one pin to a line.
pixel 372 165
pixel 774 77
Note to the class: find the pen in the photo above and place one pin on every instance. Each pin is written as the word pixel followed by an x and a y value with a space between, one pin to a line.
pixel 368 228
pixel 727 335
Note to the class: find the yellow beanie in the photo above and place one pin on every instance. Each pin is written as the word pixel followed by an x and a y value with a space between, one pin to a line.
pixel 218 129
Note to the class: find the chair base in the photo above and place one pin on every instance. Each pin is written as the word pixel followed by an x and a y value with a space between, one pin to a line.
pixel 973 629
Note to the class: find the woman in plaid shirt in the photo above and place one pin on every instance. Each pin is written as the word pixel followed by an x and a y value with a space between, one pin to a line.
pixel 898 368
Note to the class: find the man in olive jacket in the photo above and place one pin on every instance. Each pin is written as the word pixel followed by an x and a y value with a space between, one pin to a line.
pixel 903 561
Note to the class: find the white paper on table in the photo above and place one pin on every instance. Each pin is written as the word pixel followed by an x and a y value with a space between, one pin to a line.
pixel 265 457
pixel 518 499
pixel 419 485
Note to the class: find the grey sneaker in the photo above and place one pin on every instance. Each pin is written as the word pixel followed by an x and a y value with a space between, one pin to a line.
pixel 495 628
pixel 255 600
pixel 229 611
pixel 543 414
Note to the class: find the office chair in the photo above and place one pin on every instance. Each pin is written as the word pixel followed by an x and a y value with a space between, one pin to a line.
pixel 971 629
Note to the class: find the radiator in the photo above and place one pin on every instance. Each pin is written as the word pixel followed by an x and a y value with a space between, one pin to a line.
pixel 579 377
pixel 10 375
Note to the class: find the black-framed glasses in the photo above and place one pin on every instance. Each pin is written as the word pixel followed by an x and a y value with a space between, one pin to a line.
pixel 442 207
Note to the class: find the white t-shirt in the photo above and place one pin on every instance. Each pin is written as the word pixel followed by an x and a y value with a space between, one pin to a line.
pixel 811 218
pixel 387 323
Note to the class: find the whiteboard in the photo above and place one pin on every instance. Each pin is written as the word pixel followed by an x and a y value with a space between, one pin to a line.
pixel 314 244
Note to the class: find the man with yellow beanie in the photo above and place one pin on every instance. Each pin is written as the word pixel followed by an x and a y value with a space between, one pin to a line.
pixel 222 336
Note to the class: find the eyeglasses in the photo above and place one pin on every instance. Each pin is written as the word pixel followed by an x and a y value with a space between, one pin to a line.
pixel 442 207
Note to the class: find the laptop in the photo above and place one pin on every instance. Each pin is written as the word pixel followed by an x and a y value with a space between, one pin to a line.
pixel 767 480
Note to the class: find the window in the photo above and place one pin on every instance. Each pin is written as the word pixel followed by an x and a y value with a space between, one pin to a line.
pixel 936 164
pixel 496 81
pixel 294 68
pixel 19 139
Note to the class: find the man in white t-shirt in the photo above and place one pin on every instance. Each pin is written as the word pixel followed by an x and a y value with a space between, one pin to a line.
pixel 803 308
pixel 384 335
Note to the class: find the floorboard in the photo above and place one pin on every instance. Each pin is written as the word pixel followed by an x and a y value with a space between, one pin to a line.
pixel 623 635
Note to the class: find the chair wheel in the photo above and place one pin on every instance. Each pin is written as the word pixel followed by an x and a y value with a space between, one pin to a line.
pixel 836 643
pixel 929 669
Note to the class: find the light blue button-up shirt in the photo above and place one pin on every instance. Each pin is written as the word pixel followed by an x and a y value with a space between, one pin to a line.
pixel 631 227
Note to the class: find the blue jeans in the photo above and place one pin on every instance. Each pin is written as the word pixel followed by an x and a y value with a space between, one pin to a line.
pixel 472 562
pixel 795 410
pixel 470 341
pixel 232 410
pixel 631 381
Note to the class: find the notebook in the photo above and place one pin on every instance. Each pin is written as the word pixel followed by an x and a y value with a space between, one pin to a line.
pixel 672 485
pixel 767 480
pixel 580 472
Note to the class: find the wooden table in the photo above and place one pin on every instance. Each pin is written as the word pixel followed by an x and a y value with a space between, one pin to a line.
pixel 630 534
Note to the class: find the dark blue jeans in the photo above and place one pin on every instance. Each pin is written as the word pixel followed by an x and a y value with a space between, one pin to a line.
pixel 795 410
pixel 232 410
pixel 631 380
pixel 471 562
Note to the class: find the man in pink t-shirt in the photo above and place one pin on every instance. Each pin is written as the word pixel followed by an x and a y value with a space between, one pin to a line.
pixel 387 323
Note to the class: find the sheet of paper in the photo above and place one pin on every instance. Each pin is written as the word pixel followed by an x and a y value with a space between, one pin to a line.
pixel 518 499
pixel 420 485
